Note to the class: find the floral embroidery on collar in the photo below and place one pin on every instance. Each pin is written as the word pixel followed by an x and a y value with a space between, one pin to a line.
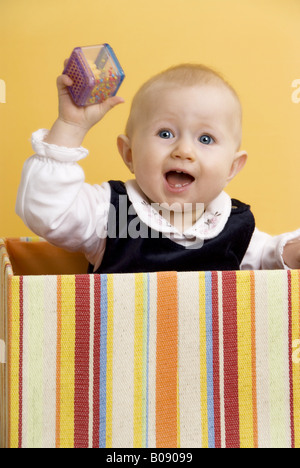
pixel 212 222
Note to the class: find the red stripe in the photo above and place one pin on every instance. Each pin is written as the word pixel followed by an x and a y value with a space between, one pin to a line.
pixel 231 396
pixel 82 349
pixel 21 297
pixel 216 376
pixel 96 389
pixel 291 360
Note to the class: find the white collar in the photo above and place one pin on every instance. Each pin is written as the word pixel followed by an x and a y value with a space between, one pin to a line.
pixel 208 226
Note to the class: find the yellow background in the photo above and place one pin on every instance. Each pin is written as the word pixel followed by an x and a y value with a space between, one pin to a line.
pixel 254 43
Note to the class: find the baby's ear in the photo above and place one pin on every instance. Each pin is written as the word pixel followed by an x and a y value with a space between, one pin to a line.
pixel 124 147
pixel 239 162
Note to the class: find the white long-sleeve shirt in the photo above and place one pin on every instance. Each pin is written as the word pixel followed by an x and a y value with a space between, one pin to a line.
pixel 57 204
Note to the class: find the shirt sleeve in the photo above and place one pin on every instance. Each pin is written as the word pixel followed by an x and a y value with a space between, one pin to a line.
pixel 265 251
pixel 55 202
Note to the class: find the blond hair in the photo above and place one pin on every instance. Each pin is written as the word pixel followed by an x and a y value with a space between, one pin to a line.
pixel 184 75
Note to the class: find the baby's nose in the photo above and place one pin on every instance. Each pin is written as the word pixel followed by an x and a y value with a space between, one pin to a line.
pixel 184 150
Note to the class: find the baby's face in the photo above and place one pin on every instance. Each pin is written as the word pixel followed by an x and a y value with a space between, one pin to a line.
pixel 183 148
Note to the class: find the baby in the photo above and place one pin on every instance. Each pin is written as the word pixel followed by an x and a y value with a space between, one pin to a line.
pixel 182 143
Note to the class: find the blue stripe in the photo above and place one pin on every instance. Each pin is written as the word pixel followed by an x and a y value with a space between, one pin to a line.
pixel 103 362
pixel 209 361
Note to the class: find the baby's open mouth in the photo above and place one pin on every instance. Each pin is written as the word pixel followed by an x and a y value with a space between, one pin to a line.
pixel 179 179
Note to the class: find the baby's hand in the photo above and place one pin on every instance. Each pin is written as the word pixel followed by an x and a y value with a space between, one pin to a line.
pixel 84 117
pixel 291 254
pixel 73 121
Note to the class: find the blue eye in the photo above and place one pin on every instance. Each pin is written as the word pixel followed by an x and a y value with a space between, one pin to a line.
pixel 206 140
pixel 165 134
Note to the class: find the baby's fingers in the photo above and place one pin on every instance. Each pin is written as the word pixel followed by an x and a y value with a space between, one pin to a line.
pixel 63 82
pixel 96 112
pixel 110 103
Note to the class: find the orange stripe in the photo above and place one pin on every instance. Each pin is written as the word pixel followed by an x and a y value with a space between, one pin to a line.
pixel 166 360
pixel 58 356
pixel 253 347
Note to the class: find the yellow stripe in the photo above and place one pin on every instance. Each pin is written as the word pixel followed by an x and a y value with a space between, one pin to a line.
pixel 203 367
pixel 295 278
pixel 109 364
pixel 138 362
pixel 14 363
pixel 243 292
pixel 67 366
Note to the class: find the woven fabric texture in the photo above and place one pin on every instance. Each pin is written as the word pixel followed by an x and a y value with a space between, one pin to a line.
pixel 196 359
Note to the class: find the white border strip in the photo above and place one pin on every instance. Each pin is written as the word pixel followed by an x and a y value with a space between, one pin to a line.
pixel 2 352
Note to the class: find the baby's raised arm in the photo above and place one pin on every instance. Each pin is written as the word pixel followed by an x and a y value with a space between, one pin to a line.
pixel 53 199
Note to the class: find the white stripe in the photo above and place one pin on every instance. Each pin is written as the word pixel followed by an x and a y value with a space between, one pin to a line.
pixel 2 352
pixel 25 358
pixel 278 359
pixel 189 360
pixel 286 361
pixel 262 363
pixel 49 364
pixel 123 361
pixel 35 361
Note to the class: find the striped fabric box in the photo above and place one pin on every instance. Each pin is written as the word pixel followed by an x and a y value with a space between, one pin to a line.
pixel 196 359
